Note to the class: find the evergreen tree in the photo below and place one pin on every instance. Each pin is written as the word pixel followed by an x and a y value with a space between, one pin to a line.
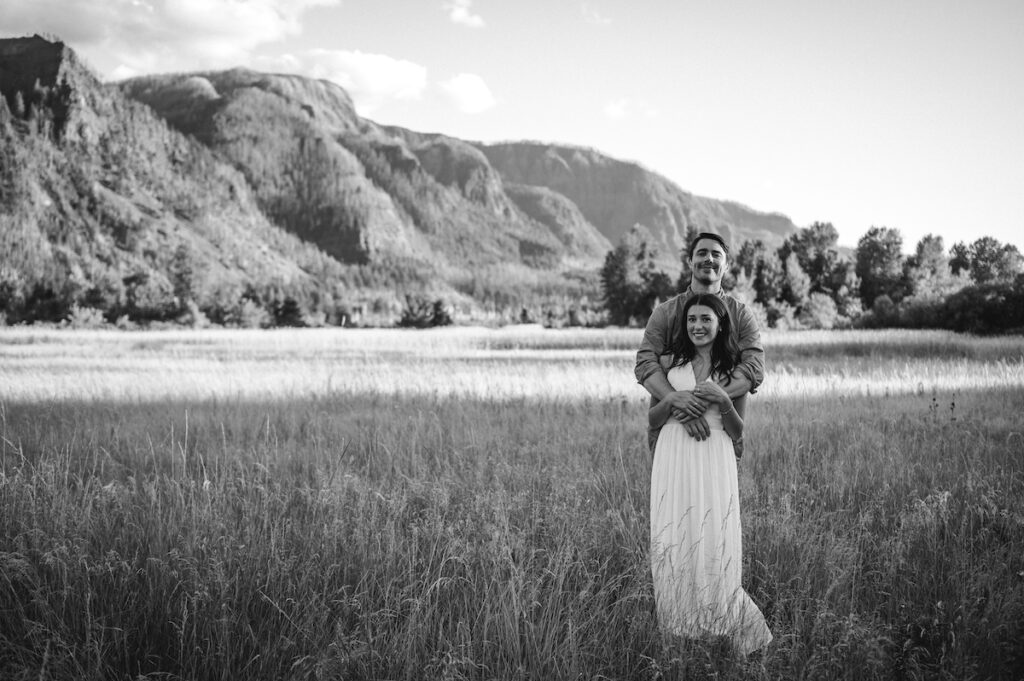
pixel 182 275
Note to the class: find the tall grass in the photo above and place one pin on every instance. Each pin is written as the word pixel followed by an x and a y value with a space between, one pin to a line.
pixel 474 505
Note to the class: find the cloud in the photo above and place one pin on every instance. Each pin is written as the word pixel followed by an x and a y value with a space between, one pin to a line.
pixel 625 107
pixel 370 79
pixel 141 36
pixel 458 12
pixel 469 93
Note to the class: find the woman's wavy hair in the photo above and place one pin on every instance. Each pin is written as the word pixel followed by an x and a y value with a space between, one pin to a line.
pixel 725 354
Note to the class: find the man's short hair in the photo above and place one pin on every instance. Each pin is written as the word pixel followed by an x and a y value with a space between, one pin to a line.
pixel 708 235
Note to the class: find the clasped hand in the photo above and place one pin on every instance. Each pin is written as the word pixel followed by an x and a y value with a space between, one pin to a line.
pixel 688 407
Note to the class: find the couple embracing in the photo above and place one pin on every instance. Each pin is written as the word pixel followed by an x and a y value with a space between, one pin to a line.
pixel 700 356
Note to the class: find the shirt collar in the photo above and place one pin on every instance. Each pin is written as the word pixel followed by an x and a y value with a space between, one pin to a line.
pixel 690 292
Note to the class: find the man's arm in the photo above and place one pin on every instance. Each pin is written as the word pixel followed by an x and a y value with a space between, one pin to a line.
pixel 649 371
pixel 749 373
pixel 652 346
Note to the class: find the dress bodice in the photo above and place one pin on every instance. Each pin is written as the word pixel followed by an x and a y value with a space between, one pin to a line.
pixel 683 378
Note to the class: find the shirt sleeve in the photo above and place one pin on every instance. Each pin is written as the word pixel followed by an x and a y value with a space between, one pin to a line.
pixel 653 344
pixel 748 337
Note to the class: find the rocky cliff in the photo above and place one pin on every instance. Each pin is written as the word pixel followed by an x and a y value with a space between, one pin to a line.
pixel 100 196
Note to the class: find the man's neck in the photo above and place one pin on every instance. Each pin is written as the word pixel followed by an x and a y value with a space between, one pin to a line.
pixel 698 287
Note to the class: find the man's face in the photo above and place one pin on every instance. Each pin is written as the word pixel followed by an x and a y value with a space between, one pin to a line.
pixel 708 262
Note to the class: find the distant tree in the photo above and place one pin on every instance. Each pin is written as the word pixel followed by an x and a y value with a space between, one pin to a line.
pixel 987 308
pixel 796 285
pixel 928 275
pixel 182 275
pixel 880 264
pixel 820 312
pixel 747 258
pixel 959 258
pixel 781 315
pixel 107 293
pixel 442 314
pixel 986 260
pixel 815 249
pixel 769 279
pixel 148 297
pixel 657 288
pixel 929 258
pixel 844 286
pixel 421 313
pixel 743 290
pixel 248 314
pixel 884 311
pixel 630 280
pixel 993 261
pixel 288 313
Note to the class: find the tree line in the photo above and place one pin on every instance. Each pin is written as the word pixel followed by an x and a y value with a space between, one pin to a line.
pixel 809 282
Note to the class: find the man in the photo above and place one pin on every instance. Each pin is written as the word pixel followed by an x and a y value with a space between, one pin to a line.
pixel 708 257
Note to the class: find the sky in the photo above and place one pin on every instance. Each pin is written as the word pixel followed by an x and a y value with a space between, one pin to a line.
pixel 906 114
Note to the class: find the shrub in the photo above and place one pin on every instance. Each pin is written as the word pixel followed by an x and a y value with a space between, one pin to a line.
pixel 922 311
pixel 820 312
pixel 248 315
pixel 781 315
pixel 85 318
pixel 420 313
pixel 288 313
pixel 987 308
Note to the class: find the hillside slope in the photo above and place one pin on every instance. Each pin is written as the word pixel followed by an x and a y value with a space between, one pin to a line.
pixel 614 195
pixel 101 201
pixel 359 191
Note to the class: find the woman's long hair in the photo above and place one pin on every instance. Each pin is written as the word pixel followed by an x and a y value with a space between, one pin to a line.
pixel 725 354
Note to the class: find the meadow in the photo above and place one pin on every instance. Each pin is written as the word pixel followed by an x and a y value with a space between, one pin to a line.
pixel 470 503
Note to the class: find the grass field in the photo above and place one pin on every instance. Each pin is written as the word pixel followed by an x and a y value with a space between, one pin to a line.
pixel 473 504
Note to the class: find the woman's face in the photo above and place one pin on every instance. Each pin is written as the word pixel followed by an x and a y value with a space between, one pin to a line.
pixel 701 325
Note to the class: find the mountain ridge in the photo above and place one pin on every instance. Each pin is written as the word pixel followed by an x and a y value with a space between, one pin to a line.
pixel 327 207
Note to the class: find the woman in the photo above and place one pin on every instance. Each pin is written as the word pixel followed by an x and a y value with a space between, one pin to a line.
pixel 696 540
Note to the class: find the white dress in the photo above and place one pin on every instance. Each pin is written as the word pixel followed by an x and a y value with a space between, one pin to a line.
pixel 696 539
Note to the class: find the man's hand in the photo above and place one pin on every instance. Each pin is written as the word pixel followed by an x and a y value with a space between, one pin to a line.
pixel 688 404
pixel 688 409
pixel 697 428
